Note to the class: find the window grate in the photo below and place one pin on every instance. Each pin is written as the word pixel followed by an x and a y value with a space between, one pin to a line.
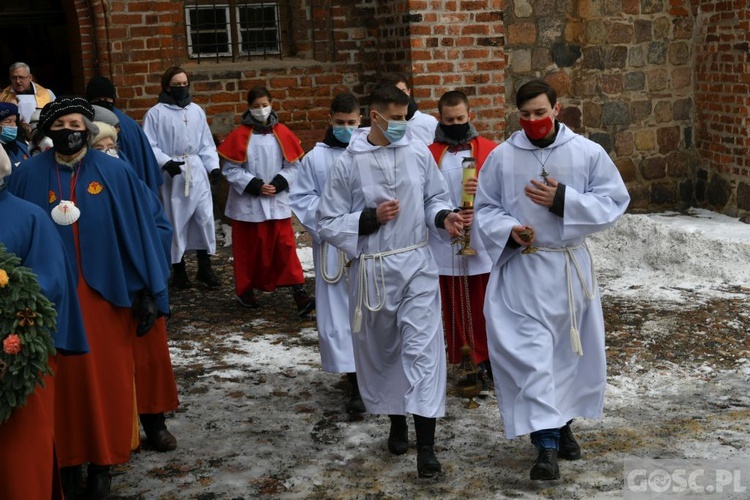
pixel 236 29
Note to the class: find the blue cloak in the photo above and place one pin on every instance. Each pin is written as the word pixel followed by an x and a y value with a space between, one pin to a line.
pixel 132 141
pixel 122 228
pixel 30 234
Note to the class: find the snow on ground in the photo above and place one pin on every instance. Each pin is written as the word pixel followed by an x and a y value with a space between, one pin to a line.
pixel 258 418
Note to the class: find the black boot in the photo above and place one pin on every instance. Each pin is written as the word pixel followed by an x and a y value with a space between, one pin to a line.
pixel 155 427
pixel 398 438
pixel 206 274
pixel 305 303
pixel 355 404
pixel 72 481
pixel 98 482
pixel 569 448
pixel 545 466
pixel 427 463
pixel 179 276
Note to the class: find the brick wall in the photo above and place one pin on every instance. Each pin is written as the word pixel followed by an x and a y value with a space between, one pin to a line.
pixel 722 104
pixel 458 45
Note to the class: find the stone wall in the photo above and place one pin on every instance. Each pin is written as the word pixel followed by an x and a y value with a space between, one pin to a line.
pixel 624 72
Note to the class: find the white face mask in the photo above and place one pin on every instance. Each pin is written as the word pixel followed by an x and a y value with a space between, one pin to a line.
pixel 261 114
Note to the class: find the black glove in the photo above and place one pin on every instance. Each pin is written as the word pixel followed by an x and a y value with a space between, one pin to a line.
pixel 144 308
pixel 173 167
pixel 214 176
pixel 253 187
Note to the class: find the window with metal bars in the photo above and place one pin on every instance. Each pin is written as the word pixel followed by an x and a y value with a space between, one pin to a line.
pixel 236 29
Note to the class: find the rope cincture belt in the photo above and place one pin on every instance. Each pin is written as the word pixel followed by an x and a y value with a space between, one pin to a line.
pixel 323 259
pixel 363 293
pixel 575 336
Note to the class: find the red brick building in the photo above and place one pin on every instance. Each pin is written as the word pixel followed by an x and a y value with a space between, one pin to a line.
pixel 663 85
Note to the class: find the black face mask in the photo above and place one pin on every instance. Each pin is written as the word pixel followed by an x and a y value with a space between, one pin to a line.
pixel 68 142
pixel 455 132
pixel 105 104
pixel 180 94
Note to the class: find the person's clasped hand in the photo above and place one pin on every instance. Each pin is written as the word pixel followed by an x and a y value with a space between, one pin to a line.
pixel 541 193
pixel 172 167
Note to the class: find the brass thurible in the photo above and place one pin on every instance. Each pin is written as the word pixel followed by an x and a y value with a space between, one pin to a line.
pixel 469 166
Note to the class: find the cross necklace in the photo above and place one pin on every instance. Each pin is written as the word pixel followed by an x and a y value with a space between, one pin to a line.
pixel 544 173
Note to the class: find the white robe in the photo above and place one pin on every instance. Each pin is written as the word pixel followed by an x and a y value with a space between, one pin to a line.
pixel 399 351
pixel 182 134
pixel 450 264
pixel 422 127
pixel 540 381
pixel 264 160
pixel 27 103
pixel 331 299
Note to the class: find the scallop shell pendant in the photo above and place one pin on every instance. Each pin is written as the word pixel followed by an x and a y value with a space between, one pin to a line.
pixel 66 213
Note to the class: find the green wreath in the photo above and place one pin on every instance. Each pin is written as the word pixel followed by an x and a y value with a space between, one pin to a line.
pixel 26 319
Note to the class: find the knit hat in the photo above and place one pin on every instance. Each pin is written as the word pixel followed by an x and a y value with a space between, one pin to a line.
pixel 102 114
pixel 98 87
pixel 62 106
pixel 8 109
pixel 105 130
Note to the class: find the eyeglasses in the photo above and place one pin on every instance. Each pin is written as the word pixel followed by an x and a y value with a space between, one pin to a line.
pixel 20 78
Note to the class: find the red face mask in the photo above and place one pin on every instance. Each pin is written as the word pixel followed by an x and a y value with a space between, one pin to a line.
pixel 538 129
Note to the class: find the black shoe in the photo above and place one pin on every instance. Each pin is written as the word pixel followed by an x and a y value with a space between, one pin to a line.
pixel 398 440
pixel 247 299
pixel 98 482
pixel 305 303
pixel 545 466
pixel 355 404
pixel 427 462
pixel 179 276
pixel 162 440
pixel 72 481
pixel 569 448
pixel 208 277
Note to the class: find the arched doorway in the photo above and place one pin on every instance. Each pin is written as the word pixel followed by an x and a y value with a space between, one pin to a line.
pixel 37 32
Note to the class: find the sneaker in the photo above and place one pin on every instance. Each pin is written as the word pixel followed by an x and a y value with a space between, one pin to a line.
pixel 545 466
pixel 427 462
pixel 247 299
pixel 305 303
pixel 569 448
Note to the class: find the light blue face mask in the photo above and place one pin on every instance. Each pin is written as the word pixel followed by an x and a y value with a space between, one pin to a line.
pixel 396 129
pixel 343 133
pixel 8 134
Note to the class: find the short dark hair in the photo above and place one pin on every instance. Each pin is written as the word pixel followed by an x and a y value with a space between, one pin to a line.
pixel 394 79
pixel 452 98
pixel 533 88
pixel 257 92
pixel 388 94
pixel 167 76
pixel 344 103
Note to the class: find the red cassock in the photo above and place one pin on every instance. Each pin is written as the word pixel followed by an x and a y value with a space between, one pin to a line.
pixel 265 253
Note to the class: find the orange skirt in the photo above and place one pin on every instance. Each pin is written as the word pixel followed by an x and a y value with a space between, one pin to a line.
pixel 27 455
pixel 456 326
pixel 94 405
pixel 155 387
